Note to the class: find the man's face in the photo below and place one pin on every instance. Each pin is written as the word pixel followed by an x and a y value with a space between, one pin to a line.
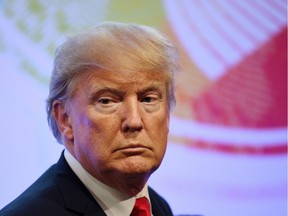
pixel 119 122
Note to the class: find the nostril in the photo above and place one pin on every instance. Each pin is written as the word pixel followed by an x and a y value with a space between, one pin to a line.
pixel 131 128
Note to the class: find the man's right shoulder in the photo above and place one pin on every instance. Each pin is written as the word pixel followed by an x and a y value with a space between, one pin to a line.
pixel 39 199
pixel 24 206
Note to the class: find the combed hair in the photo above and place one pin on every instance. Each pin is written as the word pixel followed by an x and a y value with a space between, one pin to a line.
pixel 110 46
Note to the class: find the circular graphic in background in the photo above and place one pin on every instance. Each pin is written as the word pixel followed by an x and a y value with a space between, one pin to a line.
pixel 235 53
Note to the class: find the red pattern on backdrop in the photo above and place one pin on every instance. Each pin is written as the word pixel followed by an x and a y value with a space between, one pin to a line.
pixel 252 93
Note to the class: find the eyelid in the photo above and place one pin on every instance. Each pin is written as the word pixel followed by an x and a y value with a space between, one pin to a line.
pixel 152 94
pixel 111 99
pixel 110 95
pixel 105 92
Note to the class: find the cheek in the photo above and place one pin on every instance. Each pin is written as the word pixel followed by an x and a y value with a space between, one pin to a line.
pixel 159 129
pixel 162 123
pixel 91 147
pixel 84 129
pixel 94 133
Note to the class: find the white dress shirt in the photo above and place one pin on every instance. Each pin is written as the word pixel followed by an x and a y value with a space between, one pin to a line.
pixel 113 202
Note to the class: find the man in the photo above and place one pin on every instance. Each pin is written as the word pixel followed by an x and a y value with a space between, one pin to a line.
pixel 111 93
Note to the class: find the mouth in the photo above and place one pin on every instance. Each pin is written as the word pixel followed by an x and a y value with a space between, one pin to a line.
pixel 133 149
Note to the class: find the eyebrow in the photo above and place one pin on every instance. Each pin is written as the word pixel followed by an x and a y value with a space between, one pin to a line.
pixel 150 89
pixel 99 90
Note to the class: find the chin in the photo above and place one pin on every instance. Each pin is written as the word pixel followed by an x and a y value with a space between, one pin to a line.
pixel 139 168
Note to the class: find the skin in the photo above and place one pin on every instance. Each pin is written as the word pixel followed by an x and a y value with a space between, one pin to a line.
pixel 116 125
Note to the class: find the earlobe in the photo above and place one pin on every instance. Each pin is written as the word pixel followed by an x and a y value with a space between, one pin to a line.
pixel 61 115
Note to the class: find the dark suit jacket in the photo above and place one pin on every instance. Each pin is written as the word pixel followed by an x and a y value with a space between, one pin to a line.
pixel 59 192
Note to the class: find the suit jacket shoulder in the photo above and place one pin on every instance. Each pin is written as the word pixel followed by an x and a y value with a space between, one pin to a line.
pixel 59 192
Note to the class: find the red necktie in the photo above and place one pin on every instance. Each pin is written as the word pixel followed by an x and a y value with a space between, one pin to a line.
pixel 141 207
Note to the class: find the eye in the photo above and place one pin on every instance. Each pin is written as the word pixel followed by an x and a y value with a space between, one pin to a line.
pixel 104 100
pixel 148 99
pixel 106 105
pixel 151 102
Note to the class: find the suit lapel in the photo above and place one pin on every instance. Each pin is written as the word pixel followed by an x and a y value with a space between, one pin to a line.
pixel 76 197
pixel 159 205
pixel 156 209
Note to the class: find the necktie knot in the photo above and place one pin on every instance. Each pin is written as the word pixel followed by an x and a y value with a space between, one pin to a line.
pixel 141 207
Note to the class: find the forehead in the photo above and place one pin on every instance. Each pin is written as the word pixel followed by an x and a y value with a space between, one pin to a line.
pixel 126 80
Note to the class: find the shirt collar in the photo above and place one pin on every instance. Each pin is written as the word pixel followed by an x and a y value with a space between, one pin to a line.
pixel 111 201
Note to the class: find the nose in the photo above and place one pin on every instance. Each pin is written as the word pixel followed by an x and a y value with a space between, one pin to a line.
pixel 132 119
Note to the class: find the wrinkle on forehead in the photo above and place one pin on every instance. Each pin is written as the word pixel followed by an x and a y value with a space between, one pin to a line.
pixel 123 78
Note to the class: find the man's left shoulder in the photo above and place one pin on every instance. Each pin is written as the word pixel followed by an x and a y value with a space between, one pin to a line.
pixel 159 205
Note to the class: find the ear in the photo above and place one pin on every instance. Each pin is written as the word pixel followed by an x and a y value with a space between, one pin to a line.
pixel 62 117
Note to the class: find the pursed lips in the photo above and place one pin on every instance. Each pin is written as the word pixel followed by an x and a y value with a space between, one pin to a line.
pixel 133 147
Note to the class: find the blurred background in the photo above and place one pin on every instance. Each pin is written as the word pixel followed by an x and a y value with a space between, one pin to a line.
pixel 227 152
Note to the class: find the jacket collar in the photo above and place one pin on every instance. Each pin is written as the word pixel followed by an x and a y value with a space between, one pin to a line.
pixel 76 197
